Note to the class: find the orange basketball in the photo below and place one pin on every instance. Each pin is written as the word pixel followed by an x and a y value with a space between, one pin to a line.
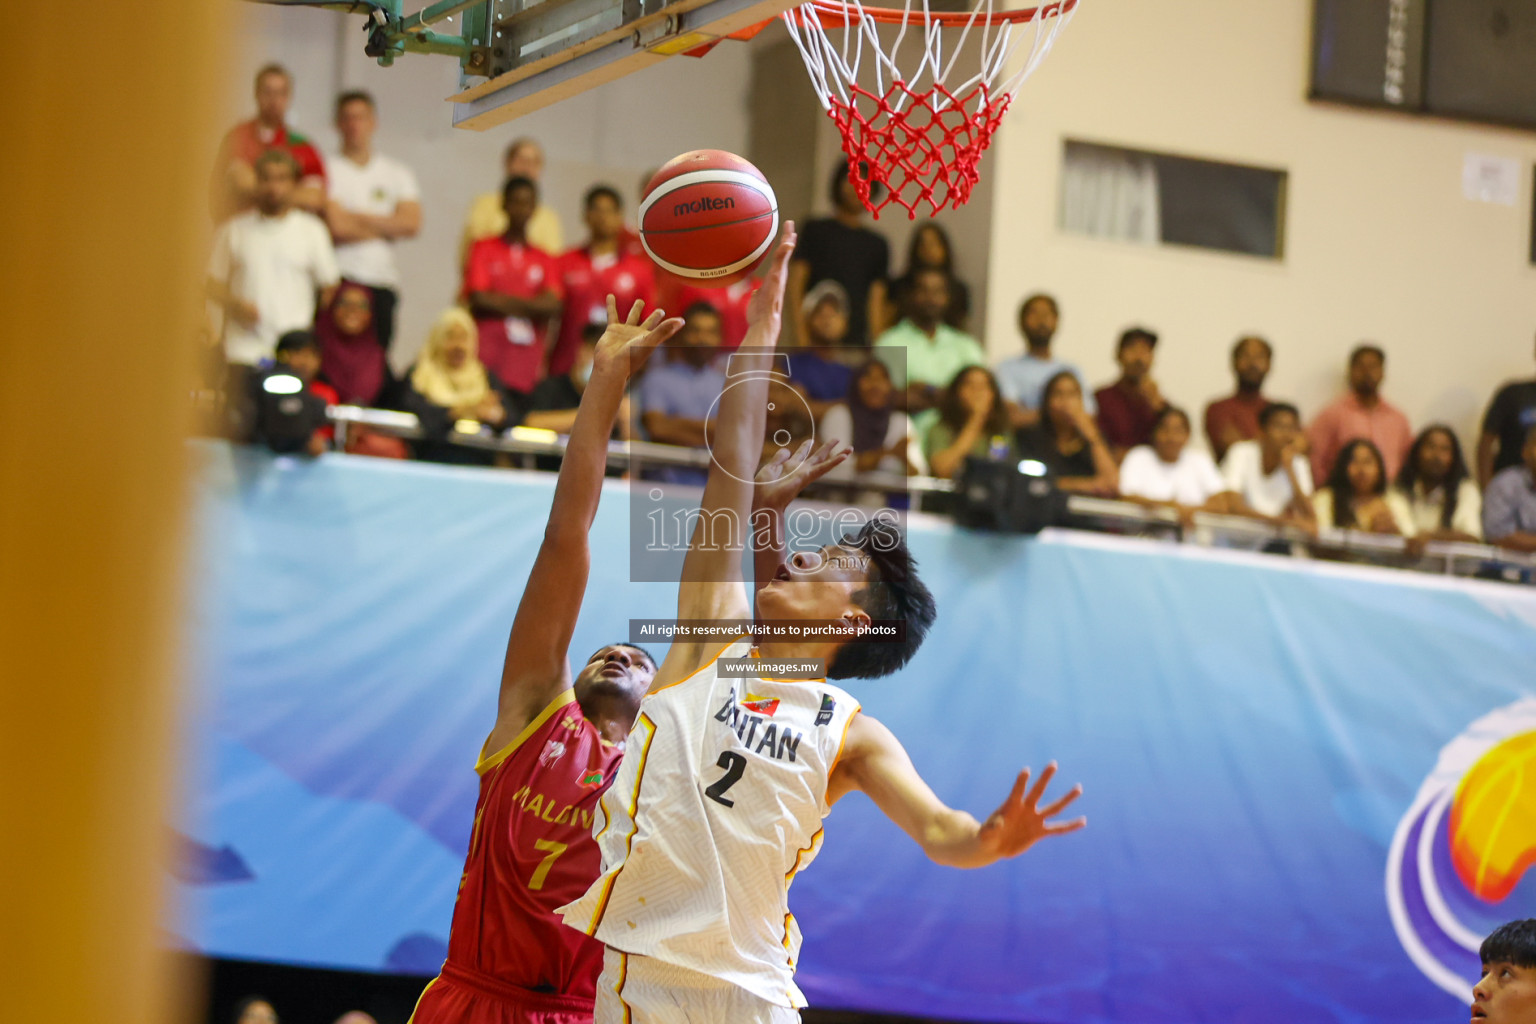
pixel 708 216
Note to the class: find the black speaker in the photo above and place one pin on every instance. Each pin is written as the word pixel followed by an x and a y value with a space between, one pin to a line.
pixel 285 412
pixel 1009 497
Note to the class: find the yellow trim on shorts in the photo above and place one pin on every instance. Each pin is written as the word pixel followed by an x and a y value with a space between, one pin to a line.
pixel 412 1017
pixel 702 667
pixel 618 990
pixel 634 826
pixel 487 763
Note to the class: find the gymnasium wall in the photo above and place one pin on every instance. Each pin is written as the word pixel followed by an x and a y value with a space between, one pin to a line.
pixel 1380 243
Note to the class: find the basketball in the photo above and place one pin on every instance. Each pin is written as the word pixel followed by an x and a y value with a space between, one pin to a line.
pixel 709 217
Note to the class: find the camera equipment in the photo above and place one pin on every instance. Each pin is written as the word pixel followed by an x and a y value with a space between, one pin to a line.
pixel 1007 496
pixel 285 412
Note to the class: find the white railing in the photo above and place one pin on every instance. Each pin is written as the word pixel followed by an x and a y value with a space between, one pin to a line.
pixel 1204 528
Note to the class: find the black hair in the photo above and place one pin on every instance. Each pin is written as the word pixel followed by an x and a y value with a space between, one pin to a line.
pixel 517 181
pixel 1135 334
pixel 1409 474
pixel 1045 394
pixel 954 414
pixel 1367 349
pixel 1245 339
pixel 1168 412
pixel 892 593
pixel 1338 481
pixel 1030 300
pixel 840 174
pixel 1274 409
pixel 1511 943
pixel 948 265
pixel 247 1003
pixel 295 341
pixel 590 333
pixel 355 96
pixel 701 306
pixel 597 192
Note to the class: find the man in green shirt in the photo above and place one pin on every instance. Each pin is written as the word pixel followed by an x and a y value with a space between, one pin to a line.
pixel 924 353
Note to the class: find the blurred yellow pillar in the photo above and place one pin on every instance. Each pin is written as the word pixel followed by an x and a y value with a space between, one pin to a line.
pixel 105 144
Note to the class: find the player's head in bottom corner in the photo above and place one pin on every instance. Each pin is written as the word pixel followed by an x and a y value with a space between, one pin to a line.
pixel 867 577
pixel 616 670
pixel 1506 994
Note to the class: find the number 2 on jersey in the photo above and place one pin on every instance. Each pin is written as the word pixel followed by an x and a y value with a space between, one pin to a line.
pixel 734 764
pixel 542 871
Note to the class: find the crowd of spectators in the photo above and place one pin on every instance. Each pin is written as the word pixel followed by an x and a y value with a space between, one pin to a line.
pixel 303 272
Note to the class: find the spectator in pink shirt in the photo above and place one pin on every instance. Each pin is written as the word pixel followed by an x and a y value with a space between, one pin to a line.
pixel 1361 412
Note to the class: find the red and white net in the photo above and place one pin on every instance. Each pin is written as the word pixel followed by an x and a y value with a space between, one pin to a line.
pixel 915 138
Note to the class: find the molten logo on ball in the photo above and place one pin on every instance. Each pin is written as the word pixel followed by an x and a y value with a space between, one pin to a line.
pixel 1460 860
pixel 706 204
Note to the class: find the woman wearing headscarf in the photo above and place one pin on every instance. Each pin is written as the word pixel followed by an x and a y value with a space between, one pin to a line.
pixel 449 384
pixel 351 358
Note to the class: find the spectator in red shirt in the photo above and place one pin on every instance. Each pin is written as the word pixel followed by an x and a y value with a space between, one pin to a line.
pixel 233 189
pixel 514 291
pixel 591 273
pixel 1129 406
pixel 673 292
pixel 1236 418
pixel 1361 412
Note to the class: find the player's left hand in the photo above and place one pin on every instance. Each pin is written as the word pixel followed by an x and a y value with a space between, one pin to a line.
pixel 627 341
pixel 1021 821
pixel 777 485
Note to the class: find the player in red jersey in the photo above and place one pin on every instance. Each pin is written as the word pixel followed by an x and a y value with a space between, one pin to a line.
pixel 551 755
pixel 604 266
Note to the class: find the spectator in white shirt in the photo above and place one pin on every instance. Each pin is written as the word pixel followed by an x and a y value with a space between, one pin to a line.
pixel 1168 473
pixel 268 264
pixel 374 202
pixel 1435 494
pixel 1268 476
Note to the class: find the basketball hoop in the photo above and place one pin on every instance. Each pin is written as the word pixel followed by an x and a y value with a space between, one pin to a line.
pixel 914 135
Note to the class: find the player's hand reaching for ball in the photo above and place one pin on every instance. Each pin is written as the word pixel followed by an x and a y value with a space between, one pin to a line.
pixel 766 308
pixel 627 341
pixel 1021 821
pixel 783 477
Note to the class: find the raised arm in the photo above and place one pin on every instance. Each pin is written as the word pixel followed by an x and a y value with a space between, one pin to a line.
pixel 711 584
pixel 874 761
pixel 777 486
pixel 536 669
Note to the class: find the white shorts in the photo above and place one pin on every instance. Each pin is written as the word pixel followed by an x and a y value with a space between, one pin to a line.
pixel 643 990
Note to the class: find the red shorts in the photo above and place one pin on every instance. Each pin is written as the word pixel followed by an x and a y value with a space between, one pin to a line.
pixel 462 996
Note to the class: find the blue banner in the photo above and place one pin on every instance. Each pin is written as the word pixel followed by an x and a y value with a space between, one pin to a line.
pixel 1311 788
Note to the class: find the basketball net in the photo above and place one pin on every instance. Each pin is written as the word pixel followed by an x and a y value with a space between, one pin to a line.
pixel 915 139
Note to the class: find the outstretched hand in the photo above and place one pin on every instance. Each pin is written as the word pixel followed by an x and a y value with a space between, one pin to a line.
pixel 627 342
pixel 777 485
pixel 1021 821
pixel 766 307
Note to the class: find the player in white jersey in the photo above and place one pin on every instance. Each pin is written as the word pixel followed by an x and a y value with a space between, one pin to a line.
pixel 720 798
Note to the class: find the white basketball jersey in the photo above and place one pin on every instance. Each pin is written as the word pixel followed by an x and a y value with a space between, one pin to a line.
pixel 717 806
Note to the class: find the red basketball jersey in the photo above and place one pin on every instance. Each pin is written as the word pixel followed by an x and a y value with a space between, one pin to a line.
pixel 512 347
pixel 587 281
pixel 532 851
